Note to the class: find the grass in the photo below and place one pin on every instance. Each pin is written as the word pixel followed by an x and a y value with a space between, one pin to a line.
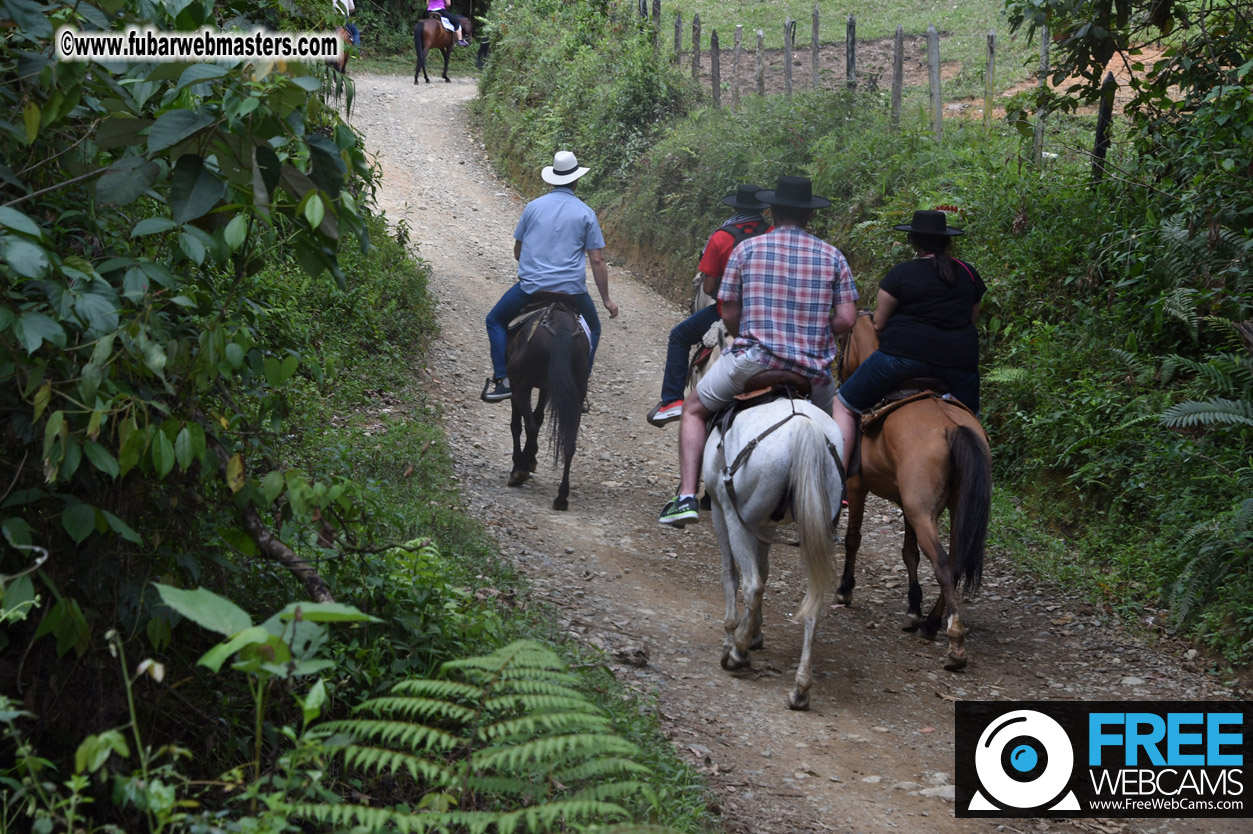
pixel 963 28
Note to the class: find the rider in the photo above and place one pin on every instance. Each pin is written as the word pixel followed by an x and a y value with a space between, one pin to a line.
pixel 925 318
pixel 745 224
pixel 555 236
pixel 785 297
pixel 440 7
pixel 346 8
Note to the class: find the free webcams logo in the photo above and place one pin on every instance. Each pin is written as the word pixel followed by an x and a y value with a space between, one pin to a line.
pixel 1102 759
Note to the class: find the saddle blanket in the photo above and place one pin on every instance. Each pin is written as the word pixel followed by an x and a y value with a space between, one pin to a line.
pixel 444 21
pixel 537 313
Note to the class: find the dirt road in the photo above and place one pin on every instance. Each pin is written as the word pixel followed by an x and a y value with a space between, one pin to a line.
pixel 875 753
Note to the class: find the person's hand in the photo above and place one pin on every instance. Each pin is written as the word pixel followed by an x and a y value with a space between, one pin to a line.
pixel 612 308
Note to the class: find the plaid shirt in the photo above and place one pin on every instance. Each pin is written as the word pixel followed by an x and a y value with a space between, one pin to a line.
pixel 787 282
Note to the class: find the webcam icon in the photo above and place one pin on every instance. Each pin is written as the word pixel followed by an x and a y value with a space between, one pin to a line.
pixel 1024 760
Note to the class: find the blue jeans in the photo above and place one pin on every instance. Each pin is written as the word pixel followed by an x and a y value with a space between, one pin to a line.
pixel 685 334
pixel 353 34
pixel 507 309
pixel 882 372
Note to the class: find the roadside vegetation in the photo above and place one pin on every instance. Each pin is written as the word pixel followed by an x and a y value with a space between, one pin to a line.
pixel 236 589
pixel 1118 331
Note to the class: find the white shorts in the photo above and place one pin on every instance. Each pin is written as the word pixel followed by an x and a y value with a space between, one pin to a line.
pixel 731 372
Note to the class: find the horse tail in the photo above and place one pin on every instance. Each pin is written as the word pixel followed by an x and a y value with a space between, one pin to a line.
pixel 811 507
pixel 565 401
pixel 972 472
pixel 419 32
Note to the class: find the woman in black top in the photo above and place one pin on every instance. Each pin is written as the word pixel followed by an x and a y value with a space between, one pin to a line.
pixel 925 318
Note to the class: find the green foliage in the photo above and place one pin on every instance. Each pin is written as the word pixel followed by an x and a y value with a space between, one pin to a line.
pixel 576 76
pixel 509 743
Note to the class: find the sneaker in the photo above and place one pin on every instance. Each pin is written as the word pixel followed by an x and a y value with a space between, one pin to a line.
pixel 663 413
pixel 463 42
pixel 679 512
pixel 496 390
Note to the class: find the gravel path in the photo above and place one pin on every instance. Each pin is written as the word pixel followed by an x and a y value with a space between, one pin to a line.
pixel 875 752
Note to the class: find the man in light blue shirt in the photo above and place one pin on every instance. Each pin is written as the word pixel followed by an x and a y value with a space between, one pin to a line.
pixel 557 235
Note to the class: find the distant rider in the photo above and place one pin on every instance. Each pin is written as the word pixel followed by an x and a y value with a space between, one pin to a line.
pixel 440 7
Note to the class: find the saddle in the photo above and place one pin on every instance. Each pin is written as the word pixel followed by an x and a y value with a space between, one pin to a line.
pixel 443 21
pixel 539 311
pixel 910 391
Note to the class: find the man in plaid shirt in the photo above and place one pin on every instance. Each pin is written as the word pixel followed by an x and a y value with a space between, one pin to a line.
pixel 785 297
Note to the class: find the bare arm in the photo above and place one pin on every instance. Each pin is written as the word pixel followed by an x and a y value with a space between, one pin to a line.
pixel 731 316
pixel 710 283
pixel 600 273
pixel 843 317
pixel 885 306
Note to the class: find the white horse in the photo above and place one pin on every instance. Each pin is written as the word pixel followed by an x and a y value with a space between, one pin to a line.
pixel 776 464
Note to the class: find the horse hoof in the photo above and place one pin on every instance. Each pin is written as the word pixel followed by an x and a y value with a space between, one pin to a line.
pixel 928 630
pixel 731 661
pixel 531 467
pixel 955 661
pixel 759 642
pixel 798 701
pixel 518 477
pixel 561 504
pixel 844 598
pixel 912 622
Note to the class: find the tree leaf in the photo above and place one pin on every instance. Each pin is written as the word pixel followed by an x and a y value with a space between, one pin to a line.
pixel 219 654
pixel 97 312
pixel 13 219
pixel 235 477
pixel 152 226
pixel 182 449
pixel 100 458
pixel 326 612
pixel 199 73
pixel 33 329
pixel 79 520
pixel 206 609
pixel 162 453
pixel 126 180
pixel 120 527
pixel 194 189
pixel 120 131
pixel 174 126
pixel 26 258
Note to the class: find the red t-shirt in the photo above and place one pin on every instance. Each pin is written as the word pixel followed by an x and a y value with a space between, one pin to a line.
pixel 718 249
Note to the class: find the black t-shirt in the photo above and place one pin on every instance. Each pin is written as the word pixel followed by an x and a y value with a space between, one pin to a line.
pixel 932 320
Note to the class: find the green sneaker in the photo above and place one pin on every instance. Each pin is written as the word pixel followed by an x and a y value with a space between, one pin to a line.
pixel 679 512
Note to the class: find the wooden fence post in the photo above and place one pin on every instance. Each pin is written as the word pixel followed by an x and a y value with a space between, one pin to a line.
pixel 989 82
pixel 787 55
pixel 898 75
pixel 1037 148
pixel 1103 119
pixel 678 36
pixel 715 72
pixel 761 63
pixel 696 47
pixel 644 9
pixel 850 53
pixel 933 68
pixel 735 67
pixel 656 29
pixel 813 54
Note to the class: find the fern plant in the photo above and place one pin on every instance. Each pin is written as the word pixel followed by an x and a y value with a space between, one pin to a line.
pixel 504 743
pixel 1222 549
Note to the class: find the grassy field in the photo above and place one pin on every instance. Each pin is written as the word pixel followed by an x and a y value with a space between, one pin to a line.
pixel 963 26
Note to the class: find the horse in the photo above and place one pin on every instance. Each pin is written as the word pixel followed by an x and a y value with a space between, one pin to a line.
pixel 776 463
pixel 430 34
pixel 340 63
pixel 927 455
pixel 548 353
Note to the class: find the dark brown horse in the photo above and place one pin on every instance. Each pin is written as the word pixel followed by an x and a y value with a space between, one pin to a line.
pixel 430 34
pixel 549 354
pixel 927 455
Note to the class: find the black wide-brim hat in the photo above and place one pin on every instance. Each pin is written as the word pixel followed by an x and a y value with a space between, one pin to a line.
pixel 745 197
pixel 794 192
pixel 929 223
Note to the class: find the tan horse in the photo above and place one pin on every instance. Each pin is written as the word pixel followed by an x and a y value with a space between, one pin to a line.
pixel 928 455
pixel 430 34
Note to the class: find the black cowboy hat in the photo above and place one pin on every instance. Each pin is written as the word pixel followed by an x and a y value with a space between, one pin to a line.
pixel 745 197
pixel 795 192
pixel 929 223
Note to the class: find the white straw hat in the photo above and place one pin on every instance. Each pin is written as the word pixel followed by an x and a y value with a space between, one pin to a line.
pixel 564 170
